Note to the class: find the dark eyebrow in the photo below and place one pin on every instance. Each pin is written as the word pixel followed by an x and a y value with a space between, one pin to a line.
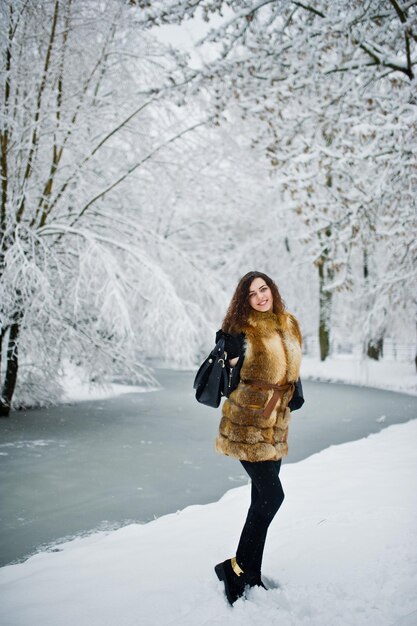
pixel 264 285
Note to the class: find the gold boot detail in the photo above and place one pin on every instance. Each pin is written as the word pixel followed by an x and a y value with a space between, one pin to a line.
pixel 237 570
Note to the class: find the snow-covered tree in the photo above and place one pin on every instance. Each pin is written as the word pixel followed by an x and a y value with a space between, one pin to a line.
pixel 83 113
pixel 333 85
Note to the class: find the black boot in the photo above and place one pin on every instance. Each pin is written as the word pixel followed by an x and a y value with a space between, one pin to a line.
pixel 234 582
pixel 255 580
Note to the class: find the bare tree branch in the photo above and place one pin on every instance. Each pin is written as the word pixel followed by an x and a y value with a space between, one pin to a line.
pixel 136 166
pixel 308 7
pixel 91 155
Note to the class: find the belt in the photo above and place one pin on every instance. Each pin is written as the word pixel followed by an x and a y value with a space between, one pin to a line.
pixel 279 391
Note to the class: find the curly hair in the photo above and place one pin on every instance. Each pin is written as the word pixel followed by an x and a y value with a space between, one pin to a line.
pixel 239 307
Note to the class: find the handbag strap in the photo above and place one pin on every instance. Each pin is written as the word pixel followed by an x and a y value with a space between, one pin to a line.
pixel 219 352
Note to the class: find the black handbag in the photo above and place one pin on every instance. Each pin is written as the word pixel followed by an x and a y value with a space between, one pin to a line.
pixel 212 378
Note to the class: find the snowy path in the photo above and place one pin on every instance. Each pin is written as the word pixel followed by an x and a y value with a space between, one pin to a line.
pixel 342 551
pixel 70 469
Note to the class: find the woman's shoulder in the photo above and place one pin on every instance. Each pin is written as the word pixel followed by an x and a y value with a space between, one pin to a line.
pixel 221 333
pixel 234 337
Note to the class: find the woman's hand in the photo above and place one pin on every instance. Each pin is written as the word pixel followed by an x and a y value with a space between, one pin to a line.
pixel 231 344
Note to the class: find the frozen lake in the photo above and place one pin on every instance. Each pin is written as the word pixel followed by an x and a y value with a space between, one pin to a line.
pixel 71 469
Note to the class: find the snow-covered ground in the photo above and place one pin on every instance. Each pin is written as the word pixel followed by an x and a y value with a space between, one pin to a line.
pixel 77 389
pixel 341 551
pixel 345 368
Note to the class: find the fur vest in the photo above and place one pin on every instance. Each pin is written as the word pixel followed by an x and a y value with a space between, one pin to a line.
pixel 272 353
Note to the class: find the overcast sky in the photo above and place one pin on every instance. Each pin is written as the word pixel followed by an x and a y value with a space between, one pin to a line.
pixel 186 36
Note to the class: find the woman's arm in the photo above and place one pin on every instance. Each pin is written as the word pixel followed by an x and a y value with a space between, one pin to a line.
pixel 297 399
pixel 232 346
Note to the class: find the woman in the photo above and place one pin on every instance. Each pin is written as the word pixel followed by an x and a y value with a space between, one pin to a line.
pixel 263 345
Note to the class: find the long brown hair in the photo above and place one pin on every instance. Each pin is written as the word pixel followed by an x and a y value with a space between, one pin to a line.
pixel 239 307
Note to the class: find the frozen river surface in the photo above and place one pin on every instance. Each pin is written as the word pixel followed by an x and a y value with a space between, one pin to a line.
pixel 93 465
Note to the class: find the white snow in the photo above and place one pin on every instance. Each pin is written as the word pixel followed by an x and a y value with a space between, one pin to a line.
pixel 384 374
pixel 341 551
pixel 77 389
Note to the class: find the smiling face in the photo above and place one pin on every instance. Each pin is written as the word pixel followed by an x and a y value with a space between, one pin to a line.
pixel 260 295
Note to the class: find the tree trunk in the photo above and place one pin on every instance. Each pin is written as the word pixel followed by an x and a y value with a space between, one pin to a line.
pixel 10 375
pixel 325 301
pixel 376 349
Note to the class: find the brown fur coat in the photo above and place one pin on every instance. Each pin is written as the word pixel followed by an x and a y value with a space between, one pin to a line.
pixel 272 354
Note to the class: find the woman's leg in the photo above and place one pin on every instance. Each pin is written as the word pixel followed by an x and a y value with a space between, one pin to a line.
pixel 267 496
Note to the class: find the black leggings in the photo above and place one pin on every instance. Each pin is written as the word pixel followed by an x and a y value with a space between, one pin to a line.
pixel 267 496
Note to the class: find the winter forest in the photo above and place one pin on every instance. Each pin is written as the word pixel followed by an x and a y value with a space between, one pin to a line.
pixel 140 180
